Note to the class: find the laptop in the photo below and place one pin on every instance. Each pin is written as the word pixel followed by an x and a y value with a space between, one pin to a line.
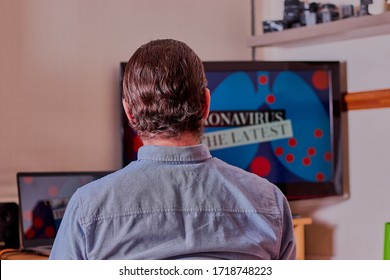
pixel 43 197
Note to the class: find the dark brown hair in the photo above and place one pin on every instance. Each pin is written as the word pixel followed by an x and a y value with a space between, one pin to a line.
pixel 164 84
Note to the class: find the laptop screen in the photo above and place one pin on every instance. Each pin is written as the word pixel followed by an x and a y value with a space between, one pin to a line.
pixel 43 198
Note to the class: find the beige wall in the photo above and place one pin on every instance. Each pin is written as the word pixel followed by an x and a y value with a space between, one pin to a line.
pixel 59 73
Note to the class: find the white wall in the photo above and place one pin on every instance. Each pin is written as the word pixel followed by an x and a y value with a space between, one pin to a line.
pixel 59 73
pixel 352 228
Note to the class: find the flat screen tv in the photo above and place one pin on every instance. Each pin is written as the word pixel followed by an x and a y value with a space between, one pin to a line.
pixel 279 120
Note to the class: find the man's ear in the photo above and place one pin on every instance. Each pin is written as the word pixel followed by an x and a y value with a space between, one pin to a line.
pixel 206 105
pixel 127 109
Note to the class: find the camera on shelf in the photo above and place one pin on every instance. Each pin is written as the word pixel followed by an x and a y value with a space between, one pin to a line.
pixel 292 13
pixel 273 26
pixel 309 14
pixel 298 13
pixel 328 13
pixel 363 9
pixel 347 11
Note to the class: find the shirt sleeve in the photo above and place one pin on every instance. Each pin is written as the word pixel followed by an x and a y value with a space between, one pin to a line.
pixel 70 241
pixel 288 245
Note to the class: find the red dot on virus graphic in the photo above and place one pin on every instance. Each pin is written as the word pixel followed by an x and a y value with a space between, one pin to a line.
pixel 320 80
pixel 306 161
pixel 311 151
pixel 270 99
pixel 261 166
pixel 50 232
pixel 263 80
pixel 38 223
pixel 279 151
pixel 289 158
pixel 53 191
pixel 292 142
pixel 320 176
pixel 28 215
pixel 318 133
pixel 30 233
pixel 28 180
pixel 328 156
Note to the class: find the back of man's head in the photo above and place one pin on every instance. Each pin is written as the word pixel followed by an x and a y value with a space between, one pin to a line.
pixel 164 85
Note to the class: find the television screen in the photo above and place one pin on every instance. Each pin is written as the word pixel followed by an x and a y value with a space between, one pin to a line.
pixel 279 120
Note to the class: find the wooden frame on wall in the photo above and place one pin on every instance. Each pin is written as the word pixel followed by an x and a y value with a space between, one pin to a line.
pixel 368 99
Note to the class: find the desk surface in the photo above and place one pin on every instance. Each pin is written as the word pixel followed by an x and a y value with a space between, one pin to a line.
pixel 302 221
pixel 15 254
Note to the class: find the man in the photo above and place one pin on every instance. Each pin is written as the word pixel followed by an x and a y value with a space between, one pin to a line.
pixel 175 201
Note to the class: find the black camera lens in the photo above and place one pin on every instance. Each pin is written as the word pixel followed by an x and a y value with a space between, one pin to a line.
pixel 328 12
pixel 292 12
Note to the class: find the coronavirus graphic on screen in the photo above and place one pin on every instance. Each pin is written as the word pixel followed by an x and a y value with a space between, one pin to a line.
pixel 277 122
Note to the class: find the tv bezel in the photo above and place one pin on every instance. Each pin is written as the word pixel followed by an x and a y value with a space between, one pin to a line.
pixel 292 191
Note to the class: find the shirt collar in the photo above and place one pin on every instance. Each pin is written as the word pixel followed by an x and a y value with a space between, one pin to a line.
pixel 174 154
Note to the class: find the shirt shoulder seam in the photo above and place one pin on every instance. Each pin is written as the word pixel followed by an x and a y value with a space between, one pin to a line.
pixel 179 210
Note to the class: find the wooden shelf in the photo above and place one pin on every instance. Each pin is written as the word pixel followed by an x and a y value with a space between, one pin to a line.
pixel 368 100
pixel 344 29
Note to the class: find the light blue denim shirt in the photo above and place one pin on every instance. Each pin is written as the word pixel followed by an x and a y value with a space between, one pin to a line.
pixel 176 202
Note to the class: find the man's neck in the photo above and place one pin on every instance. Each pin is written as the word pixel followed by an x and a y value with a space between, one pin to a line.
pixel 185 139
